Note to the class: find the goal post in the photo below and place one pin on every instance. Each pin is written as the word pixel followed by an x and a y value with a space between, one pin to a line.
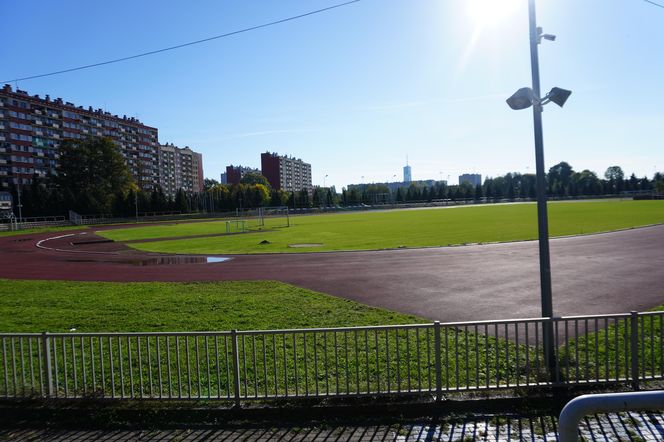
pixel 274 217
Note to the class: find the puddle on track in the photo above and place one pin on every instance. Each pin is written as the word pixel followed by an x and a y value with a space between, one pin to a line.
pixel 160 260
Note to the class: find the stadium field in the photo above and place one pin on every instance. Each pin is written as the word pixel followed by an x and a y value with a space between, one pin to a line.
pixel 394 228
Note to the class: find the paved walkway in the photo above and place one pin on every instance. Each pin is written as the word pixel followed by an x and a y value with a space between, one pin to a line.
pixel 613 427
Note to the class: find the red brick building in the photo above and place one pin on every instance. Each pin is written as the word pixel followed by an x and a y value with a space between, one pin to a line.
pixel 235 173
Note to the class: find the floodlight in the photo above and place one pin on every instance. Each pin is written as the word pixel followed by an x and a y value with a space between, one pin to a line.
pixel 558 96
pixel 522 99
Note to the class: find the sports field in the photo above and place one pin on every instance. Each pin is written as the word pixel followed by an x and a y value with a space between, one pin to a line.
pixel 395 228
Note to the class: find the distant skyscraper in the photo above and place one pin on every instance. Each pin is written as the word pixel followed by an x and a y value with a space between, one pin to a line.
pixel 407 178
pixel 473 179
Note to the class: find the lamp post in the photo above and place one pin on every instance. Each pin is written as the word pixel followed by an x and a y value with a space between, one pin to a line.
pixel 523 99
pixel 19 205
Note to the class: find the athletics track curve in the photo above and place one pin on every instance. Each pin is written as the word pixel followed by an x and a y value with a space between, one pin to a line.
pixel 602 273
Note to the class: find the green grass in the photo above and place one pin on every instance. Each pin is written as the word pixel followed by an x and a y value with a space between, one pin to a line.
pixel 613 359
pixel 41 230
pixel 392 357
pixel 402 359
pixel 399 228
pixel 58 306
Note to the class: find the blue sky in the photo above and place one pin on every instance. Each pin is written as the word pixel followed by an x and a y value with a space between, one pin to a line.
pixel 356 89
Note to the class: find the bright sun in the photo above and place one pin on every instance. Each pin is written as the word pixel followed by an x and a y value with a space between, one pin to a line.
pixel 490 12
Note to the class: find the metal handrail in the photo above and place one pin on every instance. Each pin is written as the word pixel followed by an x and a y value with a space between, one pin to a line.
pixel 581 406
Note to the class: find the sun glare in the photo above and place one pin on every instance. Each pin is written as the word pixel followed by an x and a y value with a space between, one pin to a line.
pixel 490 12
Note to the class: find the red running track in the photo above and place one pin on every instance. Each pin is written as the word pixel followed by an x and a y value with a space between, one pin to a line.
pixel 602 273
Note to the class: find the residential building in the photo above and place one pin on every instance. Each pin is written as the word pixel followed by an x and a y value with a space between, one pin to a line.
pixel 235 173
pixel 180 168
pixel 474 179
pixel 224 178
pixel 32 128
pixel 5 204
pixel 286 173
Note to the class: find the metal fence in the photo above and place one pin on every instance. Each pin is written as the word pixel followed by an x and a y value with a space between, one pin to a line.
pixel 429 359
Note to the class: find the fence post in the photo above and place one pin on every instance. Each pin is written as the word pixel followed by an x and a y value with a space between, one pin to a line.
pixel 236 369
pixel 634 348
pixel 436 341
pixel 46 351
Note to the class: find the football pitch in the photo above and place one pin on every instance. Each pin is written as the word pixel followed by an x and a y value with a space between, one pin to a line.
pixel 393 229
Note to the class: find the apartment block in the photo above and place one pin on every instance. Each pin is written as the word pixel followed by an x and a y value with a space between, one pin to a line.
pixel 474 179
pixel 235 173
pixel 180 168
pixel 32 128
pixel 286 173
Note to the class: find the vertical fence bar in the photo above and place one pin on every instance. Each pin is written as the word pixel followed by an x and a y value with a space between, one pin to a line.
pixel 634 348
pixel 439 375
pixel 46 343
pixel 236 368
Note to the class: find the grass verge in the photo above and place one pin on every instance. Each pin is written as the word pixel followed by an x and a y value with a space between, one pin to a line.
pixel 58 306
pixel 41 230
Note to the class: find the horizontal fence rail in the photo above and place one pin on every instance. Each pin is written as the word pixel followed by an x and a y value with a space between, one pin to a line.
pixel 426 359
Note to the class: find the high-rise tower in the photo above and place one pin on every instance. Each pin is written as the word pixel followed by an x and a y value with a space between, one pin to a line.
pixel 407 178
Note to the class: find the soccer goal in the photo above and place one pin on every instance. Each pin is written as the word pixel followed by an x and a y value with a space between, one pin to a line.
pixel 274 217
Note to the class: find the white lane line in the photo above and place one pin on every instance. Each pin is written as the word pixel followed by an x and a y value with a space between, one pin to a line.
pixel 40 244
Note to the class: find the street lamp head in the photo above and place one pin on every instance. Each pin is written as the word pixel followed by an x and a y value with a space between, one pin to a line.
pixel 522 99
pixel 558 96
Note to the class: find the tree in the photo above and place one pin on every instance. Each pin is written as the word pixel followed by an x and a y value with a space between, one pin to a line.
pixel 615 175
pixel 559 178
pixel 260 195
pixel 181 204
pixel 478 192
pixel 255 178
pixel 92 171
pixel 209 183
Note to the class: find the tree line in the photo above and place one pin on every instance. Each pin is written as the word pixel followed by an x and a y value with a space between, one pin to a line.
pixel 93 178
pixel 561 179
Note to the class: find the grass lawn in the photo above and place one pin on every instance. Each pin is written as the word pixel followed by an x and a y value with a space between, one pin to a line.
pixel 58 306
pixel 347 361
pixel 41 230
pixel 400 228
pixel 342 361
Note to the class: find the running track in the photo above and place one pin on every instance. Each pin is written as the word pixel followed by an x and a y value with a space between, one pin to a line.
pixel 603 273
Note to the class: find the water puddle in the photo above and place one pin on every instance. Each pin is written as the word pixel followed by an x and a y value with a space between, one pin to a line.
pixel 160 260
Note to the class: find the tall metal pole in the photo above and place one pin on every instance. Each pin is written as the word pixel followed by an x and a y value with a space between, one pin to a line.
pixel 542 217
pixel 20 206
